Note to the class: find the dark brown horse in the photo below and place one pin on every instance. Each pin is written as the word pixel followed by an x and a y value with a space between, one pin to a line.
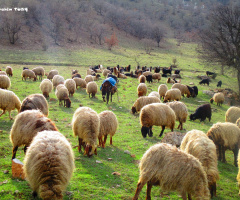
pixel 107 88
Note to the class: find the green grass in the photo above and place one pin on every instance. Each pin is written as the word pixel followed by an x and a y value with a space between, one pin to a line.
pixel 92 180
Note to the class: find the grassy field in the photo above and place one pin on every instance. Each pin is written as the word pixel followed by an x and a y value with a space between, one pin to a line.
pixel 93 180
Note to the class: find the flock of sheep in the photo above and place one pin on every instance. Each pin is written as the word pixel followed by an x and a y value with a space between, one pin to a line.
pixel 49 160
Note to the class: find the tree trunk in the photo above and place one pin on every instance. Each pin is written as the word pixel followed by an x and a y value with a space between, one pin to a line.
pixel 222 70
pixel 238 77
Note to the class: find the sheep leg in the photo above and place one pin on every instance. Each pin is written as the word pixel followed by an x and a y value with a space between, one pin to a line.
pixel 14 151
pixel 100 141
pixel 79 144
pixel 163 128
pixel 3 112
pixel 25 149
pixel 223 155
pixel 179 126
pixel 138 190
pixel 105 139
pixel 235 151
pixel 150 133
pixel 189 197
pixel 110 140
pixel 149 187
pixel 219 152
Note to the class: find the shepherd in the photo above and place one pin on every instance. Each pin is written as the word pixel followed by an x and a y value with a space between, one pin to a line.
pixel 108 86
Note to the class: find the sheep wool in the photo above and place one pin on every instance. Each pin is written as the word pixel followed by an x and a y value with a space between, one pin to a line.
pixel 8 102
pixel 157 166
pixel 62 94
pixel 232 114
pixel 71 86
pixel 108 126
pixel 92 88
pixel 80 82
pixel 27 73
pixel 57 79
pixel 162 89
pixel 218 98
pixel 3 73
pixel 172 94
pixel 85 125
pixel 5 82
pixel 183 88
pixel 157 76
pixel 26 126
pixel 49 165
pixel 9 71
pixel 52 73
pixel 142 79
pixel 89 78
pixel 39 71
pixel 154 94
pixel 106 72
pixel 46 87
pixel 147 73
pixel 142 89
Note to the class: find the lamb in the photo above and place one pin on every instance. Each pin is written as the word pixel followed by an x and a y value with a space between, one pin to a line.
pixel 57 80
pixel 70 84
pixel 162 89
pixel 5 82
pixel 89 78
pixel 27 73
pixel 46 87
pixel 201 147
pixel 106 72
pixel 39 71
pixel 62 94
pixel 181 112
pixel 218 98
pixel 225 136
pixel 85 125
pixel 8 102
pixel 202 112
pixel 142 79
pixel 80 82
pixel 232 114
pixel 156 76
pixel 49 165
pixel 143 101
pixel 92 89
pixel 142 89
pixel 157 166
pixel 172 94
pixel 26 126
pixel 35 102
pixel 154 94
pixel 183 88
pixel 108 126
pixel 52 73
pixel 157 114
pixel 9 71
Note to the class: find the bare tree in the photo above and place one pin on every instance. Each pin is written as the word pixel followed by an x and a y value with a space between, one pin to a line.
pixel 148 45
pixel 220 42
pixel 158 33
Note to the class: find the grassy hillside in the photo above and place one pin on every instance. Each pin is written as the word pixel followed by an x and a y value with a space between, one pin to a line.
pixel 92 180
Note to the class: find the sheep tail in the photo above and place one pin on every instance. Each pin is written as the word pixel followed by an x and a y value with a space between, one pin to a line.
pixel 48 192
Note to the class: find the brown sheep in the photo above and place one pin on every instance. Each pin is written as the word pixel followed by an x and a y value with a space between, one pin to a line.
pixel 9 71
pixel 232 114
pixel 142 79
pixel 39 71
pixel 218 98
pixel 27 73
pixel 142 89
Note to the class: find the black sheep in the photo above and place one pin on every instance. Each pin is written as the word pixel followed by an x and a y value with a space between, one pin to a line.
pixel 149 78
pixel 219 84
pixel 202 112
pixel 195 88
pixel 192 92
pixel 164 75
pixel 204 81
pixel 167 71
pixel 177 72
pixel 209 73
pixel 157 70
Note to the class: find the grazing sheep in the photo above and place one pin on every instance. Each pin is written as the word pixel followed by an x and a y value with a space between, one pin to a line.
pixel 183 88
pixel 49 165
pixel 162 89
pixel 90 72
pixel 143 101
pixel 154 94
pixel 96 78
pixel 225 136
pixel 92 89
pixel 167 71
pixel 120 75
pixel 39 71
pixel 3 73
pixel 204 81
pixel 5 82
pixel 85 125
pixel 51 74
pixel 173 170
pixel 201 147
pixel 142 89
pixel 232 114
pixel 8 102
pixel 142 79
pixel 181 112
pixel 219 84
pixel 70 84
pixel 202 112
pixel 238 176
pixel 147 73
pixel 9 71
pixel 62 94
pixel 195 88
pixel 172 94
pixel 156 76
pixel 149 78
pixel 89 78
pixel 218 98
pixel 35 102
pixel 74 71
pixel 80 82
pixel 77 75
pixel 46 87
pixel 106 72
pixel 157 114
pixel 192 92
pixel 108 126
pixel 173 138
pixel 26 125
pixel 57 80
pixel 169 80
pixel 27 73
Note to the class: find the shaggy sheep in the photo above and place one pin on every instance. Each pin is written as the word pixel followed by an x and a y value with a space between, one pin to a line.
pixel 143 101
pixel 57 80
pixel 157 114
pixel 173 138
pixel 5 82
pixel 49 164
pixel 39 71
pixel 80 82
pixel 183 88
pixel 225 136
pixel 108 126
pixel 26 125
pixel 106 72
pixel 8 102
pixel 154 94
pixel 70 84
pixel 92 89
pixel 201 147
pixel 173 170
pixel 9 71
pixel 156 76
pixel 46 87
pixel 142 89
pixel 3 73
pixel 27 73
pixel 62 94
pixel 51 74
pixel 172 94
pixel 142 79
pixel 181 112
pixel 232 114
pixel 162 89
pixel 85 125
pixel 218 98
pixel 89 78
pixel 202 112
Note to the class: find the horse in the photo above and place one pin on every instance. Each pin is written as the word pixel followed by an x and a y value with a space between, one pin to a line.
pixel 107 88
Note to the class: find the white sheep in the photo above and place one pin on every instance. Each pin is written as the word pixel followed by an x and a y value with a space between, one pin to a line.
pixel 57 79
pixel 52 73
pixel 39 71
pixel 92 88
pixel 162 89
pixel 70 84
pixel 5 82
pixel 46 87
pixel 80 82
pixel 27 73
pixel 142 89
pixel 154 94
pixel 218 98
pixel 172 94
pixel 232 114
pixel 62 94
pixel 89 78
